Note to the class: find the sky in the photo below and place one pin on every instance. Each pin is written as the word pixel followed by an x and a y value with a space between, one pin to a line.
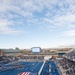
pixel 37 23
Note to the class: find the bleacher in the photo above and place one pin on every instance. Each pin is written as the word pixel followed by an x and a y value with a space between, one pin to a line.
pixel 70 55
pixel 68 66
pixel 68 63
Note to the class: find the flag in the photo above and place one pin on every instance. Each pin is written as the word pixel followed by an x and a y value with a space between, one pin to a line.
pixel 27 73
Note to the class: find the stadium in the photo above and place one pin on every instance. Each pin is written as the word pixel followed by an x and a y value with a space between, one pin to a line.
pixel 36 64
pixel 37 37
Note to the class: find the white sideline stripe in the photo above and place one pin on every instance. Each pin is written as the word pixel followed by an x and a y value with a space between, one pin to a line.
pixel 41 68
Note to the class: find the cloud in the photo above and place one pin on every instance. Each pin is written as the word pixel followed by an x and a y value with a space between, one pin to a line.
pixel 66 18
pixel 5 27
pixel 4 24
pixel 47 13
pixel 69 33
pixel 9 31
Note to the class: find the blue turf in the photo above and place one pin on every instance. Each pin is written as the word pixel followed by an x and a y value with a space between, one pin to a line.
pixel 34 67
pixel 29 67
pixel 53 69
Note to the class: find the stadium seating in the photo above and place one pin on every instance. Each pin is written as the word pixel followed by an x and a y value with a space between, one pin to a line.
pixel 68 63
pixel 68 66
pixel 70 55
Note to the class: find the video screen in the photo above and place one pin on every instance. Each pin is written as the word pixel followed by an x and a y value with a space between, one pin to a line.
pixel 36 49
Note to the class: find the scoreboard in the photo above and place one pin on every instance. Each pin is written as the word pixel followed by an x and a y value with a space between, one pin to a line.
pixel 35 49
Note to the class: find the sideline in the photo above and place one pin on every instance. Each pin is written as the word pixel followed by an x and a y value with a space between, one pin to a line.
pixel 41 68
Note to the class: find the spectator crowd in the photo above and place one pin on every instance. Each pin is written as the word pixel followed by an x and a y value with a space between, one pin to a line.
pixel 68 66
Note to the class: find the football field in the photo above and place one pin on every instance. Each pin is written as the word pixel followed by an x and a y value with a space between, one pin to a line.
pixel 32 67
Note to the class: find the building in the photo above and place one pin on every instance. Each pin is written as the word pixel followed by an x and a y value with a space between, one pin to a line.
pixel 10 52
pixel 2 53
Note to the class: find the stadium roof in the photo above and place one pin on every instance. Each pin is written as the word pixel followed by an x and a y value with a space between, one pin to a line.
pixel 11 50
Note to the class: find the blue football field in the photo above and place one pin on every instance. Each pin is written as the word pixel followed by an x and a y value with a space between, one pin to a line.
pixel 48 69
pixel 28 67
